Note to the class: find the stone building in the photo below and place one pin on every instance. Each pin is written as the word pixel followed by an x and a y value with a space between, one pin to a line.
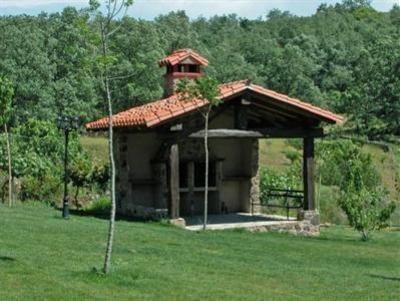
pixel 160 153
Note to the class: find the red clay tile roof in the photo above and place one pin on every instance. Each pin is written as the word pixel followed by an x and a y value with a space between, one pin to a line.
pixel 180 55
pixel 152 114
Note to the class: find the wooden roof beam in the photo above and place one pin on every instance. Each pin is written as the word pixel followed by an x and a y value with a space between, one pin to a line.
pixel 261 133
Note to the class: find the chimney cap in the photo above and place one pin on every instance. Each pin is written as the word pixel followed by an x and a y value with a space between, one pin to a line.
pixel 180 55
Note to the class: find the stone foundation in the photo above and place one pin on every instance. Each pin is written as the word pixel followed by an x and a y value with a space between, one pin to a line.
pixel 307 225
pixel 178 222
pixel 300 228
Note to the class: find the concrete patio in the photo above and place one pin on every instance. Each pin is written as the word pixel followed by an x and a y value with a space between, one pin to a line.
pixel 239 220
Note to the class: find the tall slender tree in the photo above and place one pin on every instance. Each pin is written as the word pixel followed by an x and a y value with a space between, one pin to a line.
pixel 107 28
pixel 6 95
pixel 203 89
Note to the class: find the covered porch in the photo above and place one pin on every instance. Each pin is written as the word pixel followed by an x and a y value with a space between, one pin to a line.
pixel 251 216
pixel 162 165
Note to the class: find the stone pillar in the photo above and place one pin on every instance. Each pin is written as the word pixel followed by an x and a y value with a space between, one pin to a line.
pixel 308 223
pixel 255 204
pixel 174 181
pixel 308 174
pixel 309 216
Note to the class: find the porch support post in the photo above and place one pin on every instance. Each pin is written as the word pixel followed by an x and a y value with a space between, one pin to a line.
pixel 309 216
pixel 174 180
pixel 254 198
pixel 308 174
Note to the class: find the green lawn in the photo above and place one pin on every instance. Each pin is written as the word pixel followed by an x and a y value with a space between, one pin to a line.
pixel 43 257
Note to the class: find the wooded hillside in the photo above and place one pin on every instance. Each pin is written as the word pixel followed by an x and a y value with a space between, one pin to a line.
pixel 344 57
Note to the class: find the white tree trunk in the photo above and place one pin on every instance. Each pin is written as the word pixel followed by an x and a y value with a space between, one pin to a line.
pixel 9 166
pixel 110 237
pixel 107 259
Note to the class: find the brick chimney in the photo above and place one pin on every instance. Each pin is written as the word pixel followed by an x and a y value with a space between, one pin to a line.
pixel 182 63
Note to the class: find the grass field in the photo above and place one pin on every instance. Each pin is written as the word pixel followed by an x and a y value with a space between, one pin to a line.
pixel 43 257
pixel 97 147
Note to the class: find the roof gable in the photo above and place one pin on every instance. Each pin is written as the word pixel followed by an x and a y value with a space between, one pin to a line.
pixel 155 113
pixel 182 55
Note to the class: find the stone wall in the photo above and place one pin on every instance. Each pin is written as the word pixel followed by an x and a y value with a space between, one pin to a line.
pixel 306 225
pixel 255 202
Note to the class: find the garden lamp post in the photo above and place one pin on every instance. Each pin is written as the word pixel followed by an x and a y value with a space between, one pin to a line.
pixel 67 124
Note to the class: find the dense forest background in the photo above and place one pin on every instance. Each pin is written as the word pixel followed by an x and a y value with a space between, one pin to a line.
pixel 345 57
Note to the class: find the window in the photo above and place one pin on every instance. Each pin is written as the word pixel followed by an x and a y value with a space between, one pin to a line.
pixel 194 68
pixel 181 68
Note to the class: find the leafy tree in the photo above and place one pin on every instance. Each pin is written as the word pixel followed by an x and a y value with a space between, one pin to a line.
pixel 114 8
pixel 6 94
pixel 344 57
pixel 206 90
pixel 367 210
pixel 37 159
pixel 81 174
pixel 334 168
pixel 365 202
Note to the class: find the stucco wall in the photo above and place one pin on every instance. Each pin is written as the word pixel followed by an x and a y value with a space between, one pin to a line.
pixel 137 177
pixel 235 171
pixel 142 181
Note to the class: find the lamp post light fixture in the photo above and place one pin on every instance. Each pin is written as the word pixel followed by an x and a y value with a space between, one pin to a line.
pixel 66 124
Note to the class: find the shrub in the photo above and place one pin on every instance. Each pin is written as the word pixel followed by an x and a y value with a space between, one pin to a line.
pixel 367 210
pixel 80 173
pixel 295 143
pixel 293 156
pixel 101 176
pixel 46 188
pixel 99 207
pixel 337 159
pixel 272 180
pixel 330 212
pixel 364 201
pixel 38 151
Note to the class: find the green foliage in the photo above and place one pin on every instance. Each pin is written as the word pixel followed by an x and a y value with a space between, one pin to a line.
pixel 296 143
pixel 293 155
pixel 367 210
pixel 6 95
pixel 273 180
pixel 38 151
pixel 344 57
pixel 46 188
pixel 365 202
pixel 203 88
pixel 330 211
pixel 36 148
pixel 99 207
pixel 84 173
pixel 339 161
pixel 80 172
pixel 100 176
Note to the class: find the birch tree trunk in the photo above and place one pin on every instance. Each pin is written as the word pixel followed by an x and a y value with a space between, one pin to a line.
pixel 9 166
pixel 111 227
